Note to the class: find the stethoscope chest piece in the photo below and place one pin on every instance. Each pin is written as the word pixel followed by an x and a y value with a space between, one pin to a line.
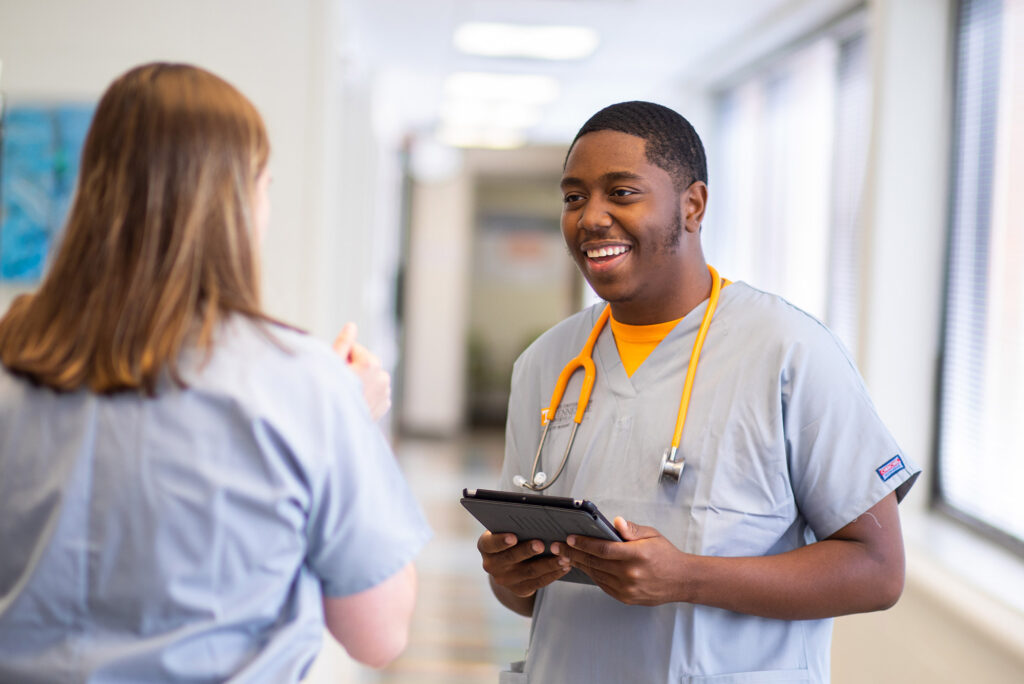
pixel 671 469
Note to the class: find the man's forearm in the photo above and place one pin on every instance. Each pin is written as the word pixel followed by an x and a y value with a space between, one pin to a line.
pixel 825 579
pixel 851 572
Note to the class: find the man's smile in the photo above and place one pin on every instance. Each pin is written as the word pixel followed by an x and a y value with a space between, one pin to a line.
pixel 615 250
pixel 604 257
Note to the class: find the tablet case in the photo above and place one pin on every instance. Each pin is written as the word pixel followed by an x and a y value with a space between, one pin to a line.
pixel 532 516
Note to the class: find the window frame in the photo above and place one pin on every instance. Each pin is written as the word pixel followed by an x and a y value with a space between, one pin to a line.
pixel 940 501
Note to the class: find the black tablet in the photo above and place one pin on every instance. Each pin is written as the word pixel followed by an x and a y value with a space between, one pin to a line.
pixel 533 516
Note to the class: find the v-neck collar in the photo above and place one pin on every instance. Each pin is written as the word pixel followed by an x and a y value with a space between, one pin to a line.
pixel 610 363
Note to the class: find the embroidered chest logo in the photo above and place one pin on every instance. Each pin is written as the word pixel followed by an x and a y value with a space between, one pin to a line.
pixel 565 414
pixel 890 468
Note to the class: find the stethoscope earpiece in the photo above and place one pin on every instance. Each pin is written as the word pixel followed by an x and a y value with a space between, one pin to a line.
pixel 538 481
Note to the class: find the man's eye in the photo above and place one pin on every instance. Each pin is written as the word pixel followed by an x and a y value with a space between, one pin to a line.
pixel 572 197
pixel 622 192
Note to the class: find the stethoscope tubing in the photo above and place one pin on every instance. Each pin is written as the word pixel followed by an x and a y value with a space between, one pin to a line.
pixel 691 368
pixel 585 361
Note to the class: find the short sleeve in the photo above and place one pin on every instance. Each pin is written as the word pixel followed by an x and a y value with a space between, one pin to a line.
pixel 842 458
pixel 365 524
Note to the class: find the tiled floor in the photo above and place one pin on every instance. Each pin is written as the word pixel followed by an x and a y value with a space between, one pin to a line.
pixel 460 633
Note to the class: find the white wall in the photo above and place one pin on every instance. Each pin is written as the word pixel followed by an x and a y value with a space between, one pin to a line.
pixel 437 302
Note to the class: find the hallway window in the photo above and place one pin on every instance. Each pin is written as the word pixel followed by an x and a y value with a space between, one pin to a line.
pixel 788 170
pixel 981 434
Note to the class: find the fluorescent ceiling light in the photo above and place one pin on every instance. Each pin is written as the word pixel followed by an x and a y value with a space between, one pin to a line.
pixel 521 40
pixel 526 88
pixel 478 136
pixel 463 111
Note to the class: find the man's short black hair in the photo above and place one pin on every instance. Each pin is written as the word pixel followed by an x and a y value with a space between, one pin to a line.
pixel 671 142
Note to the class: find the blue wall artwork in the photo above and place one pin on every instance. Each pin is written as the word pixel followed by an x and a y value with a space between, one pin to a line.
pixel 40 148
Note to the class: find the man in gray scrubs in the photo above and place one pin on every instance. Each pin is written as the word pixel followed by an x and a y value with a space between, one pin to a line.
pixel 785 514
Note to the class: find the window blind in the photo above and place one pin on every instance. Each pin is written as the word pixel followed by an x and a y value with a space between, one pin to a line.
pixel 981 405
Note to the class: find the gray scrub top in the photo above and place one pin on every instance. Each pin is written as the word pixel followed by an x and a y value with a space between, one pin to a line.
pixel 191 537
pixel 782 445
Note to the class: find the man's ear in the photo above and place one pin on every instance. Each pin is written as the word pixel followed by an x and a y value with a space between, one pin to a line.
pixel 692 203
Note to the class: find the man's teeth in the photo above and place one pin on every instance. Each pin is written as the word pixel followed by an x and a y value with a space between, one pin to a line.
pixel 607 251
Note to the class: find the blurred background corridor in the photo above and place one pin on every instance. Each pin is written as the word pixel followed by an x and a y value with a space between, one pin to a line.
pixel 865 160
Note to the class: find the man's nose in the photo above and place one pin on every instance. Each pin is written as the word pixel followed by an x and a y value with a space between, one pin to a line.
pixel 595 216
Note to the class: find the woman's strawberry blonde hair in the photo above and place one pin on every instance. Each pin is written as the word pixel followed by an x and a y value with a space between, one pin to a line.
pixel 159 244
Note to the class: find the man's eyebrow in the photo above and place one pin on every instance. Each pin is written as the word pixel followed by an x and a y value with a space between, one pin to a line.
pixel 621 175
pixel 605 178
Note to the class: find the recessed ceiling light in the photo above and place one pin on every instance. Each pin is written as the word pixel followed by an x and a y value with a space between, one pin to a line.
pixel 479 136
pixel 463 111
pixel 532 88
pixel 522 40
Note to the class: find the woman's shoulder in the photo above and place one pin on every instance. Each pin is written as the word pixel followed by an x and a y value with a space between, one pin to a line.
pixel 270 358
pixel 272 341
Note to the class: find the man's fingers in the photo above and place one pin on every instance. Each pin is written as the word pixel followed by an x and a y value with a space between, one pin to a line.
pixel 606 581
pixel 630 531
pixel 597 547
pixel 493 543
pixel 506 545
pixel 626 529
pixel 585 561
pixel 601 570
pixel 516 565
pixel 530 586
pixel 527 577
pixel 522 552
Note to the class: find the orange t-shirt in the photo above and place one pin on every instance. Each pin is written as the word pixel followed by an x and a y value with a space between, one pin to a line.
pixel 636 342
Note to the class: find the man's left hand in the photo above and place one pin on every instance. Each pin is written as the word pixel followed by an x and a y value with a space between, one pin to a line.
pixel 643 570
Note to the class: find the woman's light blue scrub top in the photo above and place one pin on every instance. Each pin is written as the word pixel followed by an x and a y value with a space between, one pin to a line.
pixel 782 446
pixel 190 538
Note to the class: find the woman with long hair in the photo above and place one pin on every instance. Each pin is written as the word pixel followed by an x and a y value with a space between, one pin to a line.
pixel 189 490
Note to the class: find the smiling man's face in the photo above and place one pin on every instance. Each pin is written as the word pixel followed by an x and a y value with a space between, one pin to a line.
pixel 624 222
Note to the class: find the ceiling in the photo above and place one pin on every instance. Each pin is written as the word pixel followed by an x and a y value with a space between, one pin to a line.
pixel 659 50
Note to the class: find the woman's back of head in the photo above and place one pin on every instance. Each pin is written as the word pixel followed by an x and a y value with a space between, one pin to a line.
pixel 159 244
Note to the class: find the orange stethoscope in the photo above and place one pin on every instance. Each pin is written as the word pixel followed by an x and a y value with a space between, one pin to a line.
pixel 671 467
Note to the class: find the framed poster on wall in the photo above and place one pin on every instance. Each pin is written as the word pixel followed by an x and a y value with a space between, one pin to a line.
pixel 40 148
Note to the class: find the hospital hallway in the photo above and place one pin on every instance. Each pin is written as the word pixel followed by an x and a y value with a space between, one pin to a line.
pixel 460 633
